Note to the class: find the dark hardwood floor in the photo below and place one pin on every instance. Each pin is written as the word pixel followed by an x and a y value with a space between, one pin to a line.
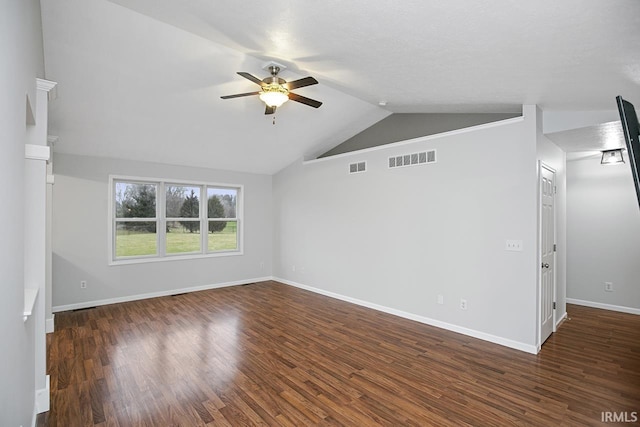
pixel 270 354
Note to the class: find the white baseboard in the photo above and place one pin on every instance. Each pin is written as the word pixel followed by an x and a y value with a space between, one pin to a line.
pixel 563 317
pixel 42 398
pixel 49 325
pixel 603 306
pixel 79 305
pixel 555 328
pixel 437 323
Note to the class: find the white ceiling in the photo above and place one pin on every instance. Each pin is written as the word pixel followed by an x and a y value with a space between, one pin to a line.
pixel 141 79
pixel 604 136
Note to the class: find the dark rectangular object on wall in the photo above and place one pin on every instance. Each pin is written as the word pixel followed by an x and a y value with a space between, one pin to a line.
pixel 631 130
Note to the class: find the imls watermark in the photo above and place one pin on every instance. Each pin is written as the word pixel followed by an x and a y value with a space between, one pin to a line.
pixel 619 417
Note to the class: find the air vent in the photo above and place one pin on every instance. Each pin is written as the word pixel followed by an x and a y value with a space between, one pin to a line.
pixel 413 159
pixel 357 167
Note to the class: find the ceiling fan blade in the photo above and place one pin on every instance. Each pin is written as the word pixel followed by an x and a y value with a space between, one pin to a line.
pixel 270 110
pixel 238 95
pixel 251 77
pixel 307 81
pixel 304 100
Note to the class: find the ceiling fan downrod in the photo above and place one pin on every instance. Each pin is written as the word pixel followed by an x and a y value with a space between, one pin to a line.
pixel 274 70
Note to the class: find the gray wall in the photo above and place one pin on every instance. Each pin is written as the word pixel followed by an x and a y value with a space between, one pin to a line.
pixel 603 235
pixel 398 238
pixel 80 236
pixel 22 62
pixel 401 127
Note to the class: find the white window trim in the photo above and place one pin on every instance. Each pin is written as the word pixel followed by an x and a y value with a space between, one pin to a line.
pixel 161 220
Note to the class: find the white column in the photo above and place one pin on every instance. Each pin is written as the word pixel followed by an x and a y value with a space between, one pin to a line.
pixel 36 156
pixel 48 314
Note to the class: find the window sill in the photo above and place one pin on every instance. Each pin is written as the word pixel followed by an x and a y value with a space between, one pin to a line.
pixel 30 296
pixel 172 258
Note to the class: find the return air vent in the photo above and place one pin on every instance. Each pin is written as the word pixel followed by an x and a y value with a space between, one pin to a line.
pixel 413 159
pixel 358 167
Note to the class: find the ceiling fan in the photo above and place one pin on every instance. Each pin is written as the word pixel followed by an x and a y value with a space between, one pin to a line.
pixel 276 91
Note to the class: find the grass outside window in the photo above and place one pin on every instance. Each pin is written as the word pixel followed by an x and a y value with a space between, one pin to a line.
pixel 130 243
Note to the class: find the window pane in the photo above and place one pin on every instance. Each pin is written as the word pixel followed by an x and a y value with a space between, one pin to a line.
pixel 135 200
pixel 183 237
pixel 222 236
pixel 221 202
pixel 136 239
pixel 182 201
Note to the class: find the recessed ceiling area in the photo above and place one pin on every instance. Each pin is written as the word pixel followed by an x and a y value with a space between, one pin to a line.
pixel 142 79
pixel 605 136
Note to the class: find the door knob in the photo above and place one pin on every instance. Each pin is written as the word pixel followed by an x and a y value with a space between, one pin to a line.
pixel 545 265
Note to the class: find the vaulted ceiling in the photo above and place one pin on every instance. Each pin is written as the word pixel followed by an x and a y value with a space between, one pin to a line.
pixel 142 79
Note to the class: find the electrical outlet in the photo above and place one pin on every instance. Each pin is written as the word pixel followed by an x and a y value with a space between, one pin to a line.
pixel 261 265
pixel 83 284
pixel 440 299
pixel 293 268
pixel 463 304
pixel 608 286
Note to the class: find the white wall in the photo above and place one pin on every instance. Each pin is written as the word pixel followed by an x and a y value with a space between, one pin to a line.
pixel 554 157
pixel 397 238
pixel 603 234
pixel 21 50
pixel 80 208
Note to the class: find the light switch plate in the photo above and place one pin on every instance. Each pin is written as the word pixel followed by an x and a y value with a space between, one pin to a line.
pixel 513 245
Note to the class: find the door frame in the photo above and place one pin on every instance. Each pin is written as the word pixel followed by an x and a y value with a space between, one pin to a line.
pixel 542 165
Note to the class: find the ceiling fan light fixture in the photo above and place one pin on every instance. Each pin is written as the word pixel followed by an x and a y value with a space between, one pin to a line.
pixel 274 95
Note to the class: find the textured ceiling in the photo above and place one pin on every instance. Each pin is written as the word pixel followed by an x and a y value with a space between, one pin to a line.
pixel 604 136
pixel 142 78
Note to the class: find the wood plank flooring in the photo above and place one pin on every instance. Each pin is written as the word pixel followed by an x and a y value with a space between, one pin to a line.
pixel 270 354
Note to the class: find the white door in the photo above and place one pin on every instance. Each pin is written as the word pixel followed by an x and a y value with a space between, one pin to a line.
pixel 547 248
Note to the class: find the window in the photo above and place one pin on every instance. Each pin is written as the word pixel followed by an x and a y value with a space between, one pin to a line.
pixel 152 220
pixel 136 219
pixel 183 219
